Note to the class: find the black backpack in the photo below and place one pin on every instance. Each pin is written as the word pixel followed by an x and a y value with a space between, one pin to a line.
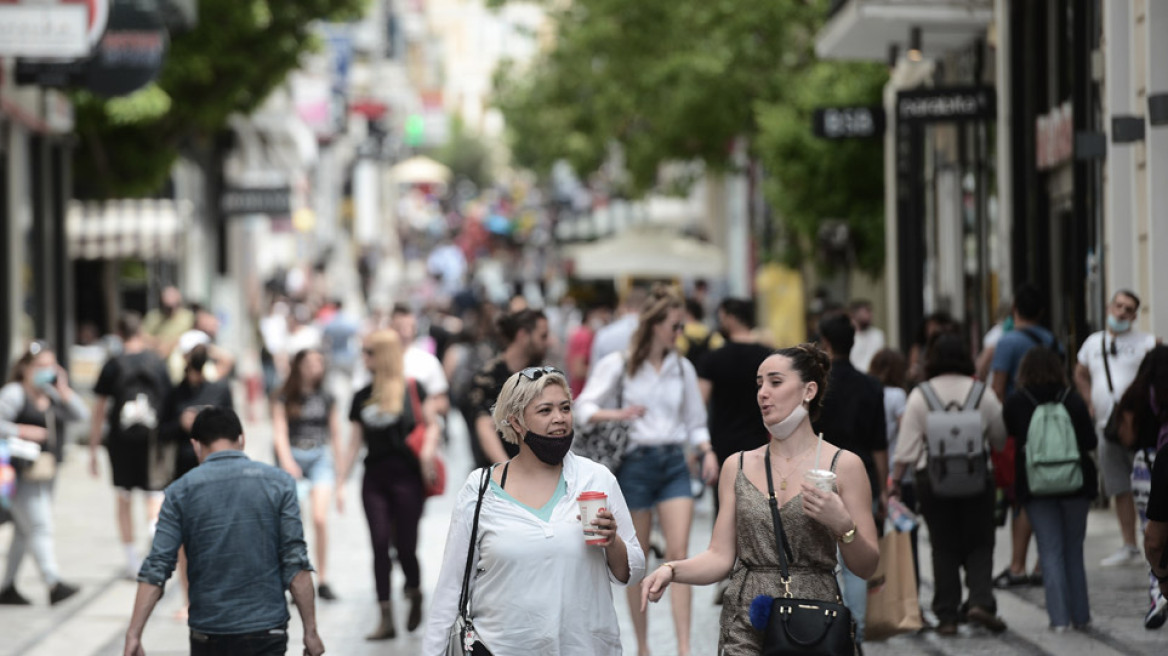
pixel 139 399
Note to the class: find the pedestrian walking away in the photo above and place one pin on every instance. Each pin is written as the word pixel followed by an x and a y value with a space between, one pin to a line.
pixel 961 522
pixel 131 391
pixel 35 406
pixel 239 522
pixel 1054 479
pixel 306 437
pixel 1107 365
pixel 392 491
pixel 817 521
pixel 520 522
pixel 666 415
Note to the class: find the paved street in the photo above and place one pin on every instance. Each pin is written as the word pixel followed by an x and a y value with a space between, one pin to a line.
pixel 92 624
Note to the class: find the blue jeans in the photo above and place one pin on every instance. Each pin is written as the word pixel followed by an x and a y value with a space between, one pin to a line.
pixel 1060 526
pixel 855 593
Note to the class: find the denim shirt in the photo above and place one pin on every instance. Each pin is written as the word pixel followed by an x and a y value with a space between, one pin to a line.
pixel 240 523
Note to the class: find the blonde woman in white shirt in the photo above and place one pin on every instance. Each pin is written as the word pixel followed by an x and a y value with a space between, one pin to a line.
pixel 537 587
pixel 659 395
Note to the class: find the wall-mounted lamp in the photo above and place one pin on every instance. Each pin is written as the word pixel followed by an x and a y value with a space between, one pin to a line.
pixel 914 45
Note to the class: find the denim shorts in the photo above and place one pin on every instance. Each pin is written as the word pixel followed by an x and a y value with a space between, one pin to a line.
pixel 316 464
pixel 649 475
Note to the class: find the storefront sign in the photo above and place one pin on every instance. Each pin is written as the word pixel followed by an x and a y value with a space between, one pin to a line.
pixel 945 104
pixel 1055 132
pixel 266 200
pixel 43 30
pixel 848 122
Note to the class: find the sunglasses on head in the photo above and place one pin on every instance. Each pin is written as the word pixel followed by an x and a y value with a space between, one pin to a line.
pixel 535 373
pixel 37 347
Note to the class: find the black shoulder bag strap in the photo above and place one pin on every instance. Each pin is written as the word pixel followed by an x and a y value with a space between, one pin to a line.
pixel 780 536
pixel 464 598
pixel 1106 366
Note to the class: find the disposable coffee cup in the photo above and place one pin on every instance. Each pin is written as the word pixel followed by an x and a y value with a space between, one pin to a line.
pixel 821 478
pixel 591 503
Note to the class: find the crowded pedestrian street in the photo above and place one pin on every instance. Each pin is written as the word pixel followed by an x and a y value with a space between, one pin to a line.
pixel 93 623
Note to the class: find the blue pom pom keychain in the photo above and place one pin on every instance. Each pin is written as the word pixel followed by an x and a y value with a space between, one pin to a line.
pixel 760 611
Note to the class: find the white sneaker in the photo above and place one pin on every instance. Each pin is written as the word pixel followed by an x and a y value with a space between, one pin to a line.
pixel 1126 555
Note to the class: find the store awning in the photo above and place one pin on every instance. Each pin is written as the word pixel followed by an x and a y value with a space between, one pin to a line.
pixel 147 229
pixel 863 29
pixel 420 170
pixel 647 251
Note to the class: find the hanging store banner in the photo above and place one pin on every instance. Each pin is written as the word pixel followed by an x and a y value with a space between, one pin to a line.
pixel 259 200
pixel 945 104
pixel 43 30
pixel 848 122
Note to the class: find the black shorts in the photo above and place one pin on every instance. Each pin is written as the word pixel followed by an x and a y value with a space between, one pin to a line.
pixel 129 462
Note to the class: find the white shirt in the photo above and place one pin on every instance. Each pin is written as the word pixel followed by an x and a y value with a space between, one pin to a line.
pixel 674 410
pixel 538 589
pixel 1130 349
pixel 613 337
pixel 868 343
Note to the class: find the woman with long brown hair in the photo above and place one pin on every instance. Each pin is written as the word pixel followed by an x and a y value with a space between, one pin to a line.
pixel 306 435
pixel 656 391
pixel 393 493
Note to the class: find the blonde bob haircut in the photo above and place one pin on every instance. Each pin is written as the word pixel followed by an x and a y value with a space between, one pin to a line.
pixel 518 393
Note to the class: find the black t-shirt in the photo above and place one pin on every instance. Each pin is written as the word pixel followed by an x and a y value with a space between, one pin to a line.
pixel 188 396
pixel 109 382
pixel 385 433
pixel 852 415
pixel 308 424
pixel 484 391
pixel 1158 497
pixel 735 422
pixel 1017 412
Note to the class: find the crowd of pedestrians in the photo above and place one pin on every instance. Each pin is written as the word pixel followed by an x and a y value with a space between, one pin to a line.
pixel 804 448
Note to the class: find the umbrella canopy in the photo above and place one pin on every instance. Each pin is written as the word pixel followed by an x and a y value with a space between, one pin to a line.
pixel 647 251
pixel 420 170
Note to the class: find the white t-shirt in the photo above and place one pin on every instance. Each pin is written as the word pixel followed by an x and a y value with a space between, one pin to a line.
pixel 538 589
pixel 423 367
pixel 868 343
pixel 1130 349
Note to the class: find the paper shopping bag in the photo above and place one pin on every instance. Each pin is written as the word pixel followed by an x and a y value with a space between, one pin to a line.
pixel 893 607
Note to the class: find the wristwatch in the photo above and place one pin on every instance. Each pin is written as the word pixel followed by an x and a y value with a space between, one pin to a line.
pixel 848 537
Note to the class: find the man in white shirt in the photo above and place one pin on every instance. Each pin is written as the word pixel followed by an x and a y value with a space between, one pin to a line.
pixel 1107 365
pixel 420 364
pixel 617 335
pixel 869 338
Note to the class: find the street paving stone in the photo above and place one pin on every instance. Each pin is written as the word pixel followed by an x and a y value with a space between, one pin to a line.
pixel 93 623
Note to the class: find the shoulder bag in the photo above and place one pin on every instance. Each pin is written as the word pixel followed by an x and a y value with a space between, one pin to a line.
pixel 417 439
pixel 463 639
pixel 1111 428
pixel 803 627
pixel 606 441
pixel 44 468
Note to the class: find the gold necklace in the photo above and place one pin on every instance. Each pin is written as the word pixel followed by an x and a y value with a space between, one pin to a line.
pixel 782 478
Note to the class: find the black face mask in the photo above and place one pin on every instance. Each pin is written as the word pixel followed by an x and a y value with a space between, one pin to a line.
pixel 551 450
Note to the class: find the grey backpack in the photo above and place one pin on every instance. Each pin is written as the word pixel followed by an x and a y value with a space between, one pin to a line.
pixel 954 439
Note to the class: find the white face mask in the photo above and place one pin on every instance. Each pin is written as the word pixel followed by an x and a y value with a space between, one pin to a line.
pixel 786 427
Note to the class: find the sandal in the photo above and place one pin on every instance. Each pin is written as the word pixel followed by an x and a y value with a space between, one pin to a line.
pixel 1008 579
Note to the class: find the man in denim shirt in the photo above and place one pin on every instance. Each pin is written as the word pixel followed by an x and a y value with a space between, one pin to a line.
pixel 240 523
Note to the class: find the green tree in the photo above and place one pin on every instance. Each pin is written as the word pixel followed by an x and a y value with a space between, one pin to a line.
pixel 237 54
pixel 680 80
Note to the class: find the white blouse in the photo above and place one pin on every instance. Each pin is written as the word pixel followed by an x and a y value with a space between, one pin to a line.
pixel 537 588
pixel 674 410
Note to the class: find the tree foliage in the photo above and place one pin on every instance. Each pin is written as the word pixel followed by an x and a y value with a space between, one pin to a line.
pixel 237 54
pixel 680 80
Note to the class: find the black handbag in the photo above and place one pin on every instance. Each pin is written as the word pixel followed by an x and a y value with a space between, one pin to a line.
pixel 463 639
pixel 803 627
pixel 605 442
